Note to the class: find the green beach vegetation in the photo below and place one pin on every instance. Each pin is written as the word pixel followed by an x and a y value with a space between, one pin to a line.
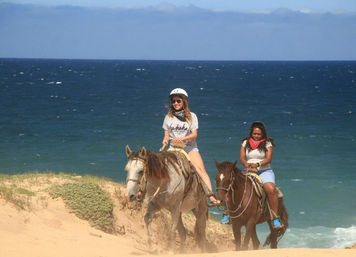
pixel 83 195
pixel 88 201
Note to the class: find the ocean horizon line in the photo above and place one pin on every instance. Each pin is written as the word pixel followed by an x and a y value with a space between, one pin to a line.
pixel 169 60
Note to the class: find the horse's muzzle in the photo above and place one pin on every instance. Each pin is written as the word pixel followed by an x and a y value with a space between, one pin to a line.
pixel 132 197
pixel 220 195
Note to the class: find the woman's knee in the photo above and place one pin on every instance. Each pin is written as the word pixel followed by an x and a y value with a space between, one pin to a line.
pixel 270 188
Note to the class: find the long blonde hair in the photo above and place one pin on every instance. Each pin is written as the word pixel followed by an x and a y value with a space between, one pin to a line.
pixel 188 115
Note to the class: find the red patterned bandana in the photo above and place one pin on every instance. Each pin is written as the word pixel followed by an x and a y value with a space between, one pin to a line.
pixel 254 144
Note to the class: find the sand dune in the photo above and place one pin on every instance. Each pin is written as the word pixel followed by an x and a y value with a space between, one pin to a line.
pixel 49 229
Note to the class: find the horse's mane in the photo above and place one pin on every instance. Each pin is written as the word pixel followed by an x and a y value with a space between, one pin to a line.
pixel 238 172
pixel 157 164
pixel 227 166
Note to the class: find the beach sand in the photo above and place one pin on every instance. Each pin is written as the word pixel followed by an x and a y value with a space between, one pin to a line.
pixel 48 228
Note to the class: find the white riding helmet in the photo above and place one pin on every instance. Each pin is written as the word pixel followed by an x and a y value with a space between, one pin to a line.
pixel 178 91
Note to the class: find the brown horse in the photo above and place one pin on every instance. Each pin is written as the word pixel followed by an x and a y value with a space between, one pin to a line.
pixel 244 206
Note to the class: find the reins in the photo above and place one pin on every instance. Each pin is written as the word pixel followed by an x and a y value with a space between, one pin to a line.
pixel 231 188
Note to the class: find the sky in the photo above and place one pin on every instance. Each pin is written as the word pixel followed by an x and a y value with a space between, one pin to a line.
pixel 236 5
pixel 179 30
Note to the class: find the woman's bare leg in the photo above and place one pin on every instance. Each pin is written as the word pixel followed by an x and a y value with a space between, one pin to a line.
pixel 198 164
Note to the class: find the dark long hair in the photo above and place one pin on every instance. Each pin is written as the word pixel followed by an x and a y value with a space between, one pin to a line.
pixel 263 145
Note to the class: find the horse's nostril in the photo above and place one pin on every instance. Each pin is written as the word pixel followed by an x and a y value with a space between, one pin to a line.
pixel 132 197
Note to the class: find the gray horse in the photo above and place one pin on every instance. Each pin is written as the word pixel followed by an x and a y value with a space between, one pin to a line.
pixel 166 188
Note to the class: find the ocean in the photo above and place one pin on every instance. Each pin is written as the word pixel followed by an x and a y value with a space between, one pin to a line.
pixel 77 116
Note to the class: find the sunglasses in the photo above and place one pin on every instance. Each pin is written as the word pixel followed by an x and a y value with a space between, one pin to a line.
pixel 176 101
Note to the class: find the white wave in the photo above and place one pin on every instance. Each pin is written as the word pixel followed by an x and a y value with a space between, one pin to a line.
pixel 344 237
pixel 315 237
pixel 296 179
pixel 286 112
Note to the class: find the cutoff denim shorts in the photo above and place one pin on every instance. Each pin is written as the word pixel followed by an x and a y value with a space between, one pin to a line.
pixel 266 176
pixel 189 149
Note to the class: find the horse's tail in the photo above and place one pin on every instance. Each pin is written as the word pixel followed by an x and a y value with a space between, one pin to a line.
pixel 283 215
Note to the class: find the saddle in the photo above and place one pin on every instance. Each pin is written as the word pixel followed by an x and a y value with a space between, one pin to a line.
pixel 188 170
pixel 183 160
pixel 258 186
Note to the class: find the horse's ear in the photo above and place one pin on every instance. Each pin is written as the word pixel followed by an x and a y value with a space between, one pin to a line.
pixel 143 151
pixel 128 151
pixel 234 164
pixel 216 163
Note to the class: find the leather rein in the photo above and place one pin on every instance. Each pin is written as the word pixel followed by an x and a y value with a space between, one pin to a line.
pixel 231 188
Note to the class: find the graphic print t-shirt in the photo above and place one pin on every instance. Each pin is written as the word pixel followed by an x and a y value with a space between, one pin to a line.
pixel 178 128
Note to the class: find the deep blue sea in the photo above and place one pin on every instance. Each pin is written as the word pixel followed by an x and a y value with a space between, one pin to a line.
pixel 76 116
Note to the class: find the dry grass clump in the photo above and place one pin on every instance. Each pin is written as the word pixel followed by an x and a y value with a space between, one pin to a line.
pixel 19 197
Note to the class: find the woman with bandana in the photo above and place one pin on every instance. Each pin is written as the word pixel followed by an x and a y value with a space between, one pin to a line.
pixel 256 155
pixel 181 125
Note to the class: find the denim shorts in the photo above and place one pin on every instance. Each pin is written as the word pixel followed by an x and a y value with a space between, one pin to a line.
pixel 189 149
pixel 267 176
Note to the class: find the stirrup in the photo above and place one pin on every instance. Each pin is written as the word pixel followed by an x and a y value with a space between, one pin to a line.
pixel 277 225
pixel 225 219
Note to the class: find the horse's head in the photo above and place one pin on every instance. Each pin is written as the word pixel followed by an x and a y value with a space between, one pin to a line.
pixel 134 168
pixel 224 178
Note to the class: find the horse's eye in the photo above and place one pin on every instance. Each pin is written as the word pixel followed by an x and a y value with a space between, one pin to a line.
pixel 140 172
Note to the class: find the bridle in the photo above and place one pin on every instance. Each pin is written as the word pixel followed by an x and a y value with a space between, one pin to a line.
pixel 231 188
pixel 138 181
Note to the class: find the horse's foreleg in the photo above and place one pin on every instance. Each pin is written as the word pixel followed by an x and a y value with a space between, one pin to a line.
pixel 236 228
pixel 250 226
pixel 182 233
pixel 255 241
pixel 200 225
pixel 151 210
pixel 176 216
